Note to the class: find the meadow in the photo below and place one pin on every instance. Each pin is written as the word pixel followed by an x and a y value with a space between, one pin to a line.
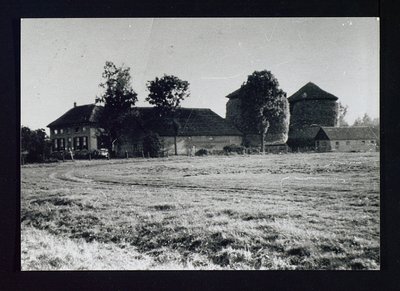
pixel 295 211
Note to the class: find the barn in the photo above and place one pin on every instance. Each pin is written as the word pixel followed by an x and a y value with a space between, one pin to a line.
pixel 346 139
pixel 199 128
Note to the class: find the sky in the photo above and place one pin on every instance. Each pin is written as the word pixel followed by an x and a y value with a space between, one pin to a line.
pixel 62 60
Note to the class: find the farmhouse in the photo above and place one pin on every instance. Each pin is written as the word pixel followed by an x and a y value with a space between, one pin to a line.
pixel 310 108
pixel 76 129
pixel 198 129
pixel 346 139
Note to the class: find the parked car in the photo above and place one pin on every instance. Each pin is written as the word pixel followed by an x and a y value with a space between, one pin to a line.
pixel 103 152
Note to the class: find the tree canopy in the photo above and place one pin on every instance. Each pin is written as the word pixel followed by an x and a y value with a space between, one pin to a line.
pixel 118 98
pixel 166 94
pixel 366 121
pixel 263 103
pixel 342 111
pixel 118 94
pixel 36 143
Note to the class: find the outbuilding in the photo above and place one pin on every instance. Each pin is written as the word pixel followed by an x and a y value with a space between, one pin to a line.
pixel 346 139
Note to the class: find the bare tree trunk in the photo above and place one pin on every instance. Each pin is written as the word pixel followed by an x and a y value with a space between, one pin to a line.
pixel 176 130
pixel 175 145
pixel 264 130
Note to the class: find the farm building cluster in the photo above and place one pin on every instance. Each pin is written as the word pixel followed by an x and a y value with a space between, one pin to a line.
pixel 311 124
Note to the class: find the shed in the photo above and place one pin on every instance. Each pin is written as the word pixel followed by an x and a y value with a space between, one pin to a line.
pixel 346 139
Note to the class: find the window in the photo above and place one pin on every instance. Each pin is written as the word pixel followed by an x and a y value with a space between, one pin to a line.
pixel 61 131
pixel 56 131
pixel 83 129
pixel 76 129
pixel 69 143
pixel 84 143
pixel 54 144
pixel 61 144
pixel 68 130
pixel 76 143
pixel 348 142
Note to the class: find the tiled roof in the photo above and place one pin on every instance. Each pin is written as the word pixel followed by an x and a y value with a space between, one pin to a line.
pixel 306 132
pixel 193 121
pixel 79 114
pixel 234 94
pixel 348 133
pixel 311 91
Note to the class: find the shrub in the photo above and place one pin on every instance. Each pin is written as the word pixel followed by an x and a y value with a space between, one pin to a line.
pixel 253 151
pixel 51 160
pixel 78 155
pixel 202 152
pixel 233 148
pixel 152 144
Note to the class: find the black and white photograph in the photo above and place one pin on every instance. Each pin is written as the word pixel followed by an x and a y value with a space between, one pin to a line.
pixel 200 144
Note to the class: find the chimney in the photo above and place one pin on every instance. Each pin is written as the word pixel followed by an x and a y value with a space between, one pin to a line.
pixel 74 104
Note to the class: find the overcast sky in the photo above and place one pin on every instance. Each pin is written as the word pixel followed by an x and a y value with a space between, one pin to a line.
pixel 62 60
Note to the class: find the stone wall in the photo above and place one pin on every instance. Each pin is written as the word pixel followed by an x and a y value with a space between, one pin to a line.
pixel 310 112
pixel 346 145
pixel 277 132
pixel 234 113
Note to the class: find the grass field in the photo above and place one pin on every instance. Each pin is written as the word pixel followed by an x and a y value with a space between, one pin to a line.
pixel 292 211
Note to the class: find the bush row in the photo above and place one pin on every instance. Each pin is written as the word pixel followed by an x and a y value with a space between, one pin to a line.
pixel 78 155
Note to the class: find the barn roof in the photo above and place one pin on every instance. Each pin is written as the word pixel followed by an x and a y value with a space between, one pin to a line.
pixel 310 91
pixel 348 133
pixel 304 132
pixel 193 121
pixel 234 94
pixel 78 114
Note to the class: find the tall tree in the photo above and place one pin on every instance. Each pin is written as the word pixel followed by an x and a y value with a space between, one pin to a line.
pixel 36 143
pixel 166 94
pixel 366 121
pixel 342 111
pixel 118 98
pixel 264 102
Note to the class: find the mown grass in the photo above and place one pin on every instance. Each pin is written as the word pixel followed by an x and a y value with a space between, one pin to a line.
pixel 294 211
